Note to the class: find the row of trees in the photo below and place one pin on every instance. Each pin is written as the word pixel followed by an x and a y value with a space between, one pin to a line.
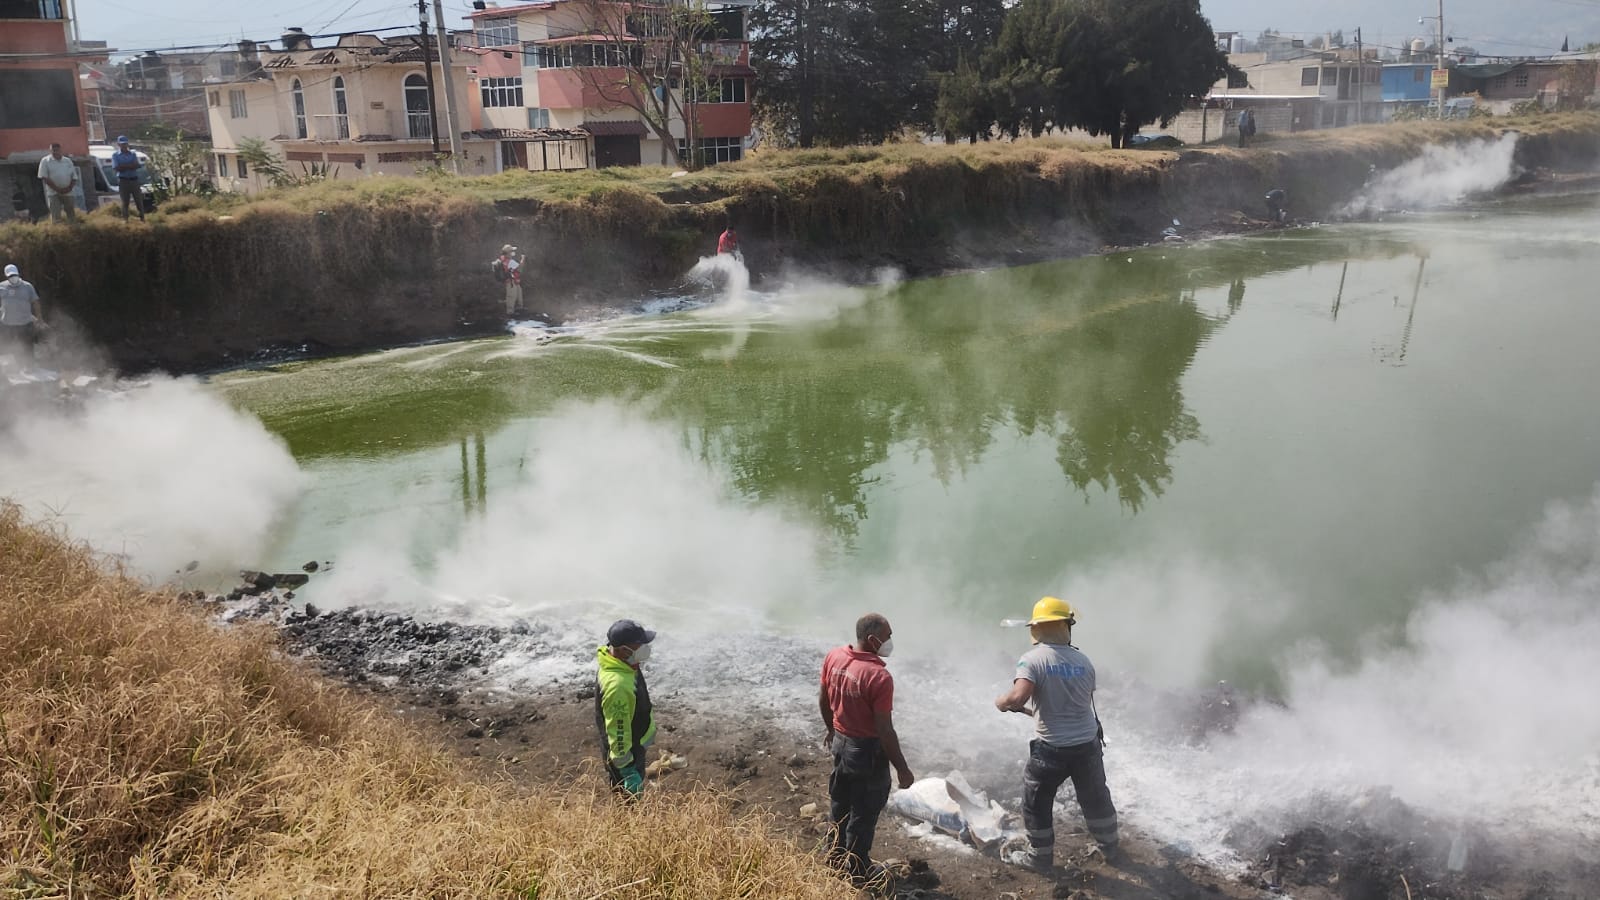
pixel 858 71
pixel 853 71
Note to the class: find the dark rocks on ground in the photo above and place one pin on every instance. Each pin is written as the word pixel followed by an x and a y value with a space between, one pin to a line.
pixel 310 567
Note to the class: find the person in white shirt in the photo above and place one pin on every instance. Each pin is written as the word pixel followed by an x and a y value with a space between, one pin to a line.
pixel 19 315
pixel 59 174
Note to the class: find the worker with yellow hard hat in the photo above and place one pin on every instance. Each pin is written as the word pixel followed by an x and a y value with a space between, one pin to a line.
pixel 1058 680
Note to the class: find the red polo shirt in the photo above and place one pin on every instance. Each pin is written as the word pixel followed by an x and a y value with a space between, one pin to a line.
pixel 858 686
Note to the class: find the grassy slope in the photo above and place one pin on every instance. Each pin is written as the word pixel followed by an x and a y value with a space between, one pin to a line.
pixel 358 264
pixel 797 169
pixel 144 752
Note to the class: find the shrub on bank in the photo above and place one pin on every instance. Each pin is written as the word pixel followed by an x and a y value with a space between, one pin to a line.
pixel 145 752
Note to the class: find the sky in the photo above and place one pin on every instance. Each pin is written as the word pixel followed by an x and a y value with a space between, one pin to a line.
pixel 1496 27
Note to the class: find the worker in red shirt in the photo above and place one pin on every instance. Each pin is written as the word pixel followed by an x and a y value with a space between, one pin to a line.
pixel 856 701
pixel 728 242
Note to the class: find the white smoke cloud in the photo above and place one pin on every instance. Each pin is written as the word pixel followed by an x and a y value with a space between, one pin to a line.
pixel 614 516
pixel 1480 713
pixel 160 475
pixel 1491 685
pixel 1440 176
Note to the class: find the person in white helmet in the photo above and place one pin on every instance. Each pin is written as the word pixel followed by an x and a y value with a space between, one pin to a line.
pixel 19 314
pixel 1059 681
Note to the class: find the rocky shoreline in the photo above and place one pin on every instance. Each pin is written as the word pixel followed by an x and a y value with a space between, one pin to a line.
pixel 438 675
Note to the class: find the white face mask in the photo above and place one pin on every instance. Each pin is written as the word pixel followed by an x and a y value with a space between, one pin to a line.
pixel 886 648
pixel 14 279
pixel 640 655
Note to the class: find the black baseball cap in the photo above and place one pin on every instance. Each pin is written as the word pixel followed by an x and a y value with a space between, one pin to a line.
pixel 627 631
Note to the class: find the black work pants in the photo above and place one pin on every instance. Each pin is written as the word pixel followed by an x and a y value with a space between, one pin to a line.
pixel 19 339
pixel 858 790
pixel 130 193
pixel 1048 767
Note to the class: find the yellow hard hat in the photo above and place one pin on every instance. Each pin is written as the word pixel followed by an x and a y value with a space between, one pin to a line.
pixel 1052 609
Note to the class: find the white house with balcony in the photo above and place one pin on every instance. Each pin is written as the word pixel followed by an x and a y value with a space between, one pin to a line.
pixel 359 108
pixel 554 67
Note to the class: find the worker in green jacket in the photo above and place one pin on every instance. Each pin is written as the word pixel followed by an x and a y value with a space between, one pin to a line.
pixel 622 704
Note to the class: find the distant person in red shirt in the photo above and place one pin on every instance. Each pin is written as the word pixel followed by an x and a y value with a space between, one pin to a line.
pixel 729 242
pixel 856 701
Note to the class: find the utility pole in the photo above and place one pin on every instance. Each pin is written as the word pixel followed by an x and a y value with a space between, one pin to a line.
pixel 1446 84
pixel 427 70
pixel 449 87
pixel 1361 80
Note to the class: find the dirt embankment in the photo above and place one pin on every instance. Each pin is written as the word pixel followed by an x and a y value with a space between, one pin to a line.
pixel 331 272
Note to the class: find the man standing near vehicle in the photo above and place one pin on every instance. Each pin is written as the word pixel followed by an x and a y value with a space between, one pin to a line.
pixel 20 315
pixel 59 174
pixel 1060 682
pixel 856 702
pixel 126 162
pixel 622 707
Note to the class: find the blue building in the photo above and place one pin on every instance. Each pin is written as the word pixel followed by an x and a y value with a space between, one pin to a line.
pixel 1407 82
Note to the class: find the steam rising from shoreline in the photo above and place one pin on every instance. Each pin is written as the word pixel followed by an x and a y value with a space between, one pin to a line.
pixel 1440 176
pixel 160 475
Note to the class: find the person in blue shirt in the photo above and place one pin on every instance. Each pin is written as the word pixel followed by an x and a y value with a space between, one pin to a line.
pixel 126 162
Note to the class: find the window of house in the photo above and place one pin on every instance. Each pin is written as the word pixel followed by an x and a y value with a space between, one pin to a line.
pixel 222 165
pixel 38 98
pixel 236 105
pixel 710 151
pixel 501 91
pixel 1498 83
pixel 230 67
pixel 732 90
pixel 1308 76
pixel 341 110
pixel 1330 76
pixel 213 98
pixel 1520 80
pixel 244 171
pixel 297 97
pixel 497 32
pixel 538 118
pixel 1419 75
pixel 419 121
pixel 565 56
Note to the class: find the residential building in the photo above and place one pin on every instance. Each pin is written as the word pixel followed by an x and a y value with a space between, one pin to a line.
pixel 1407 84
pixel 357 109
pixel 152 71
pixel 1563 80
pixel 1346 87
pixel 156 88
pixel 564 65
pixel 41 101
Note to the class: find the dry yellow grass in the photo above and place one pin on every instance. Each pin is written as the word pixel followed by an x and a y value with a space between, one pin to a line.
pixel 146 753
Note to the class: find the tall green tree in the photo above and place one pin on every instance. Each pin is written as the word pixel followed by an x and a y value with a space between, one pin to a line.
pixel 859 71
pixel 1109 67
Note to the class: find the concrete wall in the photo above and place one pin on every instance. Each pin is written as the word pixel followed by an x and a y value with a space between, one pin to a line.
pixel 122 111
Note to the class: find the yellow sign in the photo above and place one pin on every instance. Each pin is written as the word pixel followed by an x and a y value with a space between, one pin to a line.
pixel 1441 79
